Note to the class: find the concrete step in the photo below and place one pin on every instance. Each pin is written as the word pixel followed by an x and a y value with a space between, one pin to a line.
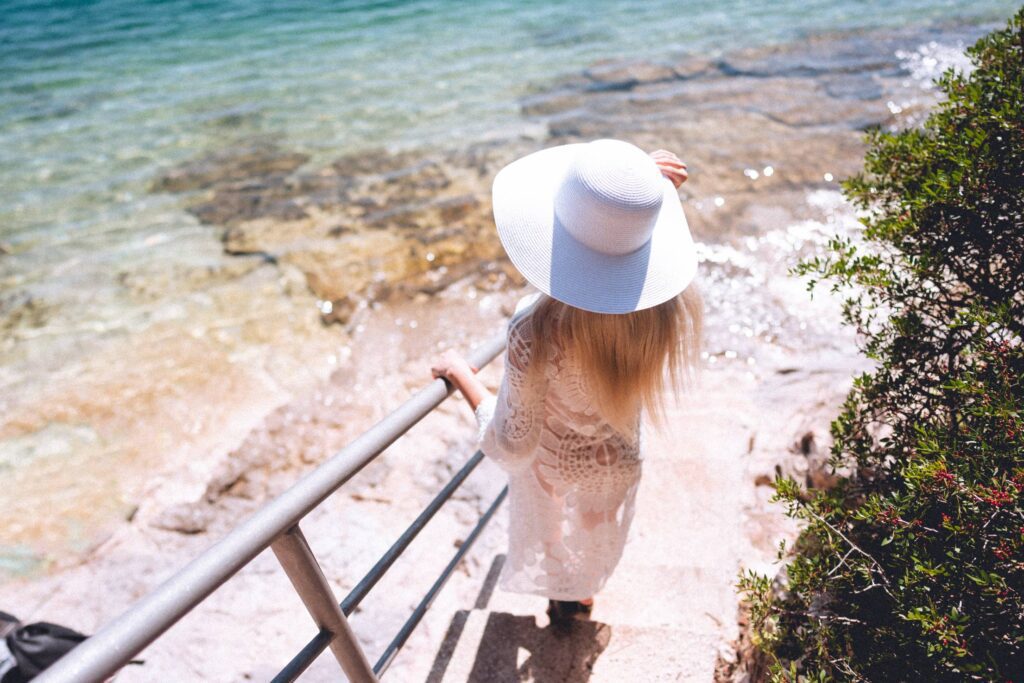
pixel 499 647
pixel 670 604
pixel 706 542
pixel 656 595
pixel 645 653
pixel 698 598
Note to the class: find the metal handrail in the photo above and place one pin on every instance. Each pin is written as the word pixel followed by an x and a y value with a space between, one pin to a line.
pixel 318 644
pixel 417 614
pixel 306 656
pixel 357 594
pixel 275 524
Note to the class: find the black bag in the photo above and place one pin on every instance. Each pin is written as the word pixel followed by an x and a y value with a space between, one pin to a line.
pixel 37 646
pixel 8 622
pixel 34 647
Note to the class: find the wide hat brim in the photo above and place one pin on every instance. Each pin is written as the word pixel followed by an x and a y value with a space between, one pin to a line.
pixel 567 270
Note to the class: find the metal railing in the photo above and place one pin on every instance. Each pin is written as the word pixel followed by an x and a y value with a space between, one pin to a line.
pixel 276 525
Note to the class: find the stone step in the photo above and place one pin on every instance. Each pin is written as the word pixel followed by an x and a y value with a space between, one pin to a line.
pixel 643 595
pixel 498 647
pixel 698 598
pixel 706 545
pixel 670 604
pixel 687 514
pixel 646 653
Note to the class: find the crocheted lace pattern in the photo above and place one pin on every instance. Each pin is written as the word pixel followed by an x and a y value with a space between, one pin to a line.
pixel 572 477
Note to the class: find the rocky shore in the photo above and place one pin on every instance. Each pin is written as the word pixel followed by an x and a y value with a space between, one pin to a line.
pixel 375 262
pixel 758 129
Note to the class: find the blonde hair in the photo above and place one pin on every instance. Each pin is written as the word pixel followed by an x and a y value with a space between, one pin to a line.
pixel 628 359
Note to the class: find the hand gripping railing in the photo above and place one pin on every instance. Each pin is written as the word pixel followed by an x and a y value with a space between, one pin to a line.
pixel 275 525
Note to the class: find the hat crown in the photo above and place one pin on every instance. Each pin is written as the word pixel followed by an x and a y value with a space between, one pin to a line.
pixel 610 197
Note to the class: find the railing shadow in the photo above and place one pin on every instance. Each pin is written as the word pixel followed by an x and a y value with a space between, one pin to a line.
pixel 550 656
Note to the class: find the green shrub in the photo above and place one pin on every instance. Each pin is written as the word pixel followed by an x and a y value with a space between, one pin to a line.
pixel 912 567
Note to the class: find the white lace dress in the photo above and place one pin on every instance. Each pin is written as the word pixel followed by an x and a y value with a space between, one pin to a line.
pixel 572 477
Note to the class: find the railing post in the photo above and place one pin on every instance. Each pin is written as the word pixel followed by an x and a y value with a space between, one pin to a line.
pixel 309 582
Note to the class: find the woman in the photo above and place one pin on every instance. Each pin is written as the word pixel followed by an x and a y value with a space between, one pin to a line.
pixel 601 233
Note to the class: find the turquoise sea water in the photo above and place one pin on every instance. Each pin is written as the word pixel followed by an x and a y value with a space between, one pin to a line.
pixel 95 97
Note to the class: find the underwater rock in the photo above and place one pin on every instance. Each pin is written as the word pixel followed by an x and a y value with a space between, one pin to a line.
pixel 367 222
pixel 852 55
pixel 856 87
pixel 247 201
pixel 551 103
pixel 20 310
pixel 380 223
pixel 694 67
pixel 259 160
pixel 616 75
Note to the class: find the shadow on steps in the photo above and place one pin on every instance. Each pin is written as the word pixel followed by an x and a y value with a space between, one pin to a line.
pixel 513 648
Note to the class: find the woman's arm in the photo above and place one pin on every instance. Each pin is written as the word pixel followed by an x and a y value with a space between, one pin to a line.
pixel 454 368
pixel 506 447
pixel 508 422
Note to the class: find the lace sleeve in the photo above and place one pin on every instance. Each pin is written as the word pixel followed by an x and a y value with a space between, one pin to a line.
pixel 510 422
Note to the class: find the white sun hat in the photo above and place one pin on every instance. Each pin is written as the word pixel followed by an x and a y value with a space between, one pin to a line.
pixel 595 225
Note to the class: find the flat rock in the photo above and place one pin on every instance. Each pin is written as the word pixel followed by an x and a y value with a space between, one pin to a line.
pixel 233 164
pixel 626 75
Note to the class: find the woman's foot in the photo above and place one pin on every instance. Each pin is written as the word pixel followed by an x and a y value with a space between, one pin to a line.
pixel 563 613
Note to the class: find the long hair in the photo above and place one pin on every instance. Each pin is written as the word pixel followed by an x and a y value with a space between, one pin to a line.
pixel 628 359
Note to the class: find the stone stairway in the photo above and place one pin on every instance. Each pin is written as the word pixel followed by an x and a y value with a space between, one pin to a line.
pixel 671 604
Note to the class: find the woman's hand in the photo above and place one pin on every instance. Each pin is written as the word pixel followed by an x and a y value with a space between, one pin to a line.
pixel 457 370
pixel 452 367
pixel 670 166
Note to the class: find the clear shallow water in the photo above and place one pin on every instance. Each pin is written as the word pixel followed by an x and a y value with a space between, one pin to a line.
pixel 96 96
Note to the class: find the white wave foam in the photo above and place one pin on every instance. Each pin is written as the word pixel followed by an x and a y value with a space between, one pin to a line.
pixel 930 60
